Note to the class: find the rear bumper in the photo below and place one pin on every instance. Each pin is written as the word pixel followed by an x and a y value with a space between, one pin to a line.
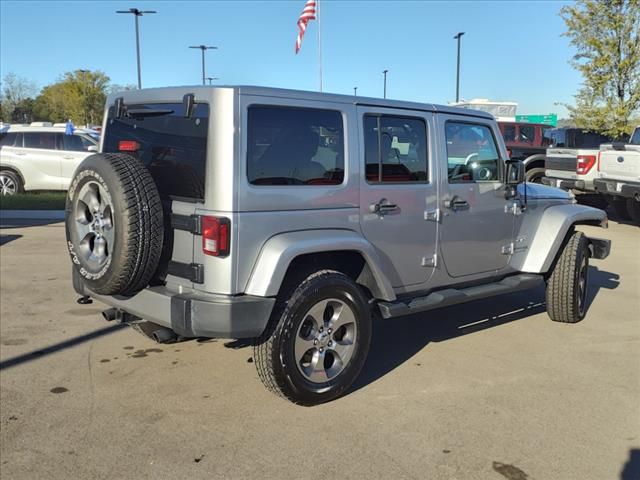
pixel 195 314
pixel 565 184
pixel 617 188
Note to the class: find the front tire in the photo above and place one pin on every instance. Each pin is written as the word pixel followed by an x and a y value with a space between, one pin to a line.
pixel 566 293
pixel 317 340
pixel 10 183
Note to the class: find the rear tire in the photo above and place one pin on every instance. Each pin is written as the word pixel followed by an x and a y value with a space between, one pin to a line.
pixel 566 293
pixel 114 224
pixel 317 340
pixel 619 206
pixel 633 210
pixel 535 175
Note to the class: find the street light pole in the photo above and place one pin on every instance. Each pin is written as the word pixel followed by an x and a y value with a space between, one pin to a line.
pixel 384 72
pixel 355 91
pixel 84 94
pixel 458 37
pixel 137 13
pixel 203 48
pixel 211 79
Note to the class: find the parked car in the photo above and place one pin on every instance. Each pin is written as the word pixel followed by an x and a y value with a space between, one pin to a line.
pixel 41 157
pixel 619 177
pixel 571 159
pixel 295 218
pixel 527 142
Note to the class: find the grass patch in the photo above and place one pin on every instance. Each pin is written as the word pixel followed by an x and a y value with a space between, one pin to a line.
pixel 33 201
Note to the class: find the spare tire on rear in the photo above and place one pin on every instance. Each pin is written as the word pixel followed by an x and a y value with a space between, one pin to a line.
pixel 114 224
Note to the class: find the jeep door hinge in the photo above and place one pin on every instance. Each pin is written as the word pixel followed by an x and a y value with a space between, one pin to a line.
pixel 431 261
pixel 515 208
pixel 508 249
pixel 432 215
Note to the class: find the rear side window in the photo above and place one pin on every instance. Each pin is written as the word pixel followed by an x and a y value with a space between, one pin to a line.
pixel 43 140
pixel 294 146
pixel 395 149
pixel 172 146
pixel 72 143
pixel 635 139
pixel 509 133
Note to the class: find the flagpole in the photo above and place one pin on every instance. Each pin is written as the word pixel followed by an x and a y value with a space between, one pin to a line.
pixel 319 42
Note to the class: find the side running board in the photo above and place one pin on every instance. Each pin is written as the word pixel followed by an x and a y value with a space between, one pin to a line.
pixel 453 296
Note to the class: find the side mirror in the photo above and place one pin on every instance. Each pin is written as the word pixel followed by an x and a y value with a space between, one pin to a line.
pixel 515 172
pixel 93 148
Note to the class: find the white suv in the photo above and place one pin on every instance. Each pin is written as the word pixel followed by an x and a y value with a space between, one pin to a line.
pixel 41 156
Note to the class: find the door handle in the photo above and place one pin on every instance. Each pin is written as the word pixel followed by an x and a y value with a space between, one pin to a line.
pixel 20 153
pixel 383 207
pixel 67 157
pixel 456 203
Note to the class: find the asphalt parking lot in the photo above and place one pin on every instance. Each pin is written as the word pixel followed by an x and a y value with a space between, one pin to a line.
pixel 488 390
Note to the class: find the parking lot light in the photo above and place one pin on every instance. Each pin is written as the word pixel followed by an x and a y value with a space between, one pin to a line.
pixel 137 13
pixel 203 48
pixel 458 36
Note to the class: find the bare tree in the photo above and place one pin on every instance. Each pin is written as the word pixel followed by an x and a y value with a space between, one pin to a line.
pixel 15 90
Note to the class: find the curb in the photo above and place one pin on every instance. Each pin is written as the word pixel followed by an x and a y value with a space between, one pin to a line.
pixel 32 214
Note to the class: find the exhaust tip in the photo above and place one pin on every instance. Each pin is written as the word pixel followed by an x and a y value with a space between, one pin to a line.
pixel 164 335
pixel 110 314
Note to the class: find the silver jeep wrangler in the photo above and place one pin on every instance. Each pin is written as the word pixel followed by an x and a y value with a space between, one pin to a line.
pixel 295 218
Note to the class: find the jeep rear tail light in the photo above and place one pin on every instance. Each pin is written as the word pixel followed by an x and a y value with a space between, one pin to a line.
pixel 128 146
pixel 215 236
pixel 585 163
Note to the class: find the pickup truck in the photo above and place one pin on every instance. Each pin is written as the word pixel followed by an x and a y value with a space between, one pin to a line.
pixel 571 158
pixel 619 177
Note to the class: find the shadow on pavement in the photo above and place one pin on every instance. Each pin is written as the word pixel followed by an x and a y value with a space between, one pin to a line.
pixel 6 223
pixel 631 469
pixel 396 340
pixel 4 239
pixel 56 347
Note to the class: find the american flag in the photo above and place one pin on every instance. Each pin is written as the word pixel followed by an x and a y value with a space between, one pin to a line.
pixel 308 13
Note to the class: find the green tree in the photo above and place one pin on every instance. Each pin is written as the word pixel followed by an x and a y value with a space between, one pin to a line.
pixel 605 34
pixel 79 96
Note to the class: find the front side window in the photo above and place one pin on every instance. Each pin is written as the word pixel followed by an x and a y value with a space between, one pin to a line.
pixel 527 134
pixel 395 149
pixel 8 139
pixel 43 140
pixel 294 146
pixel 472 153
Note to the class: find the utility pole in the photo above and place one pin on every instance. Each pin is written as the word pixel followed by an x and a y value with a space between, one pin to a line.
pixel 211 79
pixel 203 48
pixel 458 37
pixel 84 95
pixel 137 13
pixel 384 72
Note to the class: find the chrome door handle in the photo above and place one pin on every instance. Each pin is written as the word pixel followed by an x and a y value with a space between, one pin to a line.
pixel 456 203
pixel 67 157
pixel 383 207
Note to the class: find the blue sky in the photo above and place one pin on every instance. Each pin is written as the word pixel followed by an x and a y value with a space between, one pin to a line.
pixel 512 50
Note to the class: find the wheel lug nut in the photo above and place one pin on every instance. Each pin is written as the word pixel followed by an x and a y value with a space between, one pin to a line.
pixel 315 342
pixel 321 328
pixel 321 349
pixel 330 343
pixel 330 330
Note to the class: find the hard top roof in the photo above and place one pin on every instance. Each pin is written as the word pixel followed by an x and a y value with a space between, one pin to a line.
pixel 178 92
